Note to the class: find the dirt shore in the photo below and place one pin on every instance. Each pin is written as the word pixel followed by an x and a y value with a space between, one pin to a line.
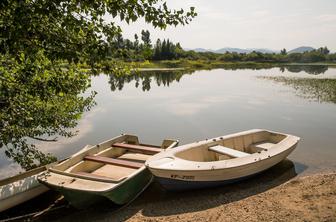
pixel 276 195
pixel 311 198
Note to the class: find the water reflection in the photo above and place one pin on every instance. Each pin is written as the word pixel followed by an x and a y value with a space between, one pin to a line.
pixel 39 106
pixel 310 69
pixel 321 90
pixel 210 98
pixel 144 79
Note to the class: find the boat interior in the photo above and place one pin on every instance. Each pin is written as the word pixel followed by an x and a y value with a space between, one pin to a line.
pixel 233 147
pixel 111 161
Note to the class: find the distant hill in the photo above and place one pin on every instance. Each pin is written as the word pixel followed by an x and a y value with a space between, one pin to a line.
pixel 237 50
pixel 201 50
pixel 301 49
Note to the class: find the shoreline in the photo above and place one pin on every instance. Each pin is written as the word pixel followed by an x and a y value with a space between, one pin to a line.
pixel 279 194
pixel 276 195
pixel 213 64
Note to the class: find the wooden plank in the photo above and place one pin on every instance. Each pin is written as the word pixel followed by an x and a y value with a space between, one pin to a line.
pixel 138 148
pixel 113 161
pixel 228 151
pixel 93 176
pixel 86 176
pixel 262 145
pixel 149 145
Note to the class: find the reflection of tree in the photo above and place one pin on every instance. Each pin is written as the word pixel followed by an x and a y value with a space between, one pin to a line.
pixel 310 69
pixel 164 78
pixel 322 90
pixel 38 101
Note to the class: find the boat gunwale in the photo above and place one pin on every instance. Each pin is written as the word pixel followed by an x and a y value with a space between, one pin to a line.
pixel 22 176
pixel 109 183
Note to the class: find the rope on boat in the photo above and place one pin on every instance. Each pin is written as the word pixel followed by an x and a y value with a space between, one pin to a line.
pixel 34 215
pixel 48 208
pixel 30 215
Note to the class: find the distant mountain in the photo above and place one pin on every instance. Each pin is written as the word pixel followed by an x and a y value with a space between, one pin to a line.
pixel 201 50
pixel 237 50
pixel 301 49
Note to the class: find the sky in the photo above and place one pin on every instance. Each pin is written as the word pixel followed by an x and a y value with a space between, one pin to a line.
pixel 272 24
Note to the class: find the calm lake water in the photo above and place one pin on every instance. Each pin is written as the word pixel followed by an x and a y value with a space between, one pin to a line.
pixel 204 104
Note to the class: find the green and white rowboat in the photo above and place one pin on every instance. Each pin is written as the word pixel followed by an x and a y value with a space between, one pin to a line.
pixel 113 169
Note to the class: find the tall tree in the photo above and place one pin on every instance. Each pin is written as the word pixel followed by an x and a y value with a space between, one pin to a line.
pixel 157 50
pixel 283 52
pixel 145 37
pixel 136 42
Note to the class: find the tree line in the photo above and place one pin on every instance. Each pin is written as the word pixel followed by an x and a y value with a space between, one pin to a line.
pixel 143 49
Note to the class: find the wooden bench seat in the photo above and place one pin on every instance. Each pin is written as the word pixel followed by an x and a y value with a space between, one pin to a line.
pixel 263 145
pixel 113 161
pixel 257 147
pixel 139 148
pixel 228 151
pixel 92 176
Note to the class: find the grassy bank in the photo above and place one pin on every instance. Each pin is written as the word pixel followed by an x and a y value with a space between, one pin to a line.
pixel 212 64
pixel 201 64
pixel 120 66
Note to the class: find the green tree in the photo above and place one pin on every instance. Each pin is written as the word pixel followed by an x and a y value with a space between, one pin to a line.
pixel 145 37
pixel 283 52
pixel 136 43
pixel 40 95
pixel 157 50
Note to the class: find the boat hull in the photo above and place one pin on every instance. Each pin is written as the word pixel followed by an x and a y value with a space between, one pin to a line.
pixel 195 179
pixel 21 188
pixel 181 185
pixel 22 197
pixel 122 194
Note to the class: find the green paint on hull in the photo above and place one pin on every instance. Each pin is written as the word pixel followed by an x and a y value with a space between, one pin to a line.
pixel 131 188
pixel 122 194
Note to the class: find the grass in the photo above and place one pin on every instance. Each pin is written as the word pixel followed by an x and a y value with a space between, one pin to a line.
pixel 202 64
pixel 321 90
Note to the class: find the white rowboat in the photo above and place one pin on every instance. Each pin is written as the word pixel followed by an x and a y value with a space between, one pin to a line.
pixel 220 160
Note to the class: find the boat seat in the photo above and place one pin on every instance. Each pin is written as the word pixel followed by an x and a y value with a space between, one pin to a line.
pixel 113 161
pixel 261 146
pixel 139 148
pixel 136 157
pixel 228 151
pixel 92 176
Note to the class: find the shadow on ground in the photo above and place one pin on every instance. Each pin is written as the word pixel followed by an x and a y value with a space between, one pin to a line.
pixel 156 202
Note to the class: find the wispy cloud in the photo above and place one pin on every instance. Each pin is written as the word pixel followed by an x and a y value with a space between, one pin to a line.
pixel 84 127
pixel 326 18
